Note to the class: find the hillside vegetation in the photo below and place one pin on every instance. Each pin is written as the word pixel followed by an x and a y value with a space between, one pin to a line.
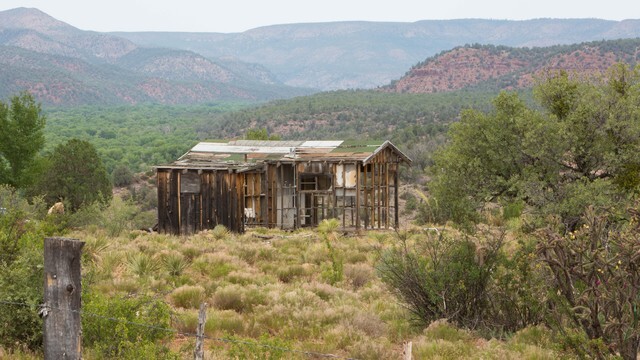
pixel 140 137
pixel 415 122
pixel 358 54
pixel 494 68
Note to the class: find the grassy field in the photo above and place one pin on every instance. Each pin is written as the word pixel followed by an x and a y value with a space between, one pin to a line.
pixel 282 290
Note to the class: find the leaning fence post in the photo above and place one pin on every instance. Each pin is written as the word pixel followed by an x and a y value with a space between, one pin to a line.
pixel 62 290
pixel 198 354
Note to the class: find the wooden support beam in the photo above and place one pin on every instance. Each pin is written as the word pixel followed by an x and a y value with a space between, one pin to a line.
pixel 395 195
pixel 386 196
pixel 366 199
pixel 357 206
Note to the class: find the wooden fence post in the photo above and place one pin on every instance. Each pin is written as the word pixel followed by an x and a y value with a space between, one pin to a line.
pixel 407 351
pixel 202 319
pixel 62 291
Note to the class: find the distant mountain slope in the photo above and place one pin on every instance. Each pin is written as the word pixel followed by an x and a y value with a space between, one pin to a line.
pixel 63 65
pixel 34 30
pixel 342 55
pixel 495 68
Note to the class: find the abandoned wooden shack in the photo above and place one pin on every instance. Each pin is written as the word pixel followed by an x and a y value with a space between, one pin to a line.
pixel 283 184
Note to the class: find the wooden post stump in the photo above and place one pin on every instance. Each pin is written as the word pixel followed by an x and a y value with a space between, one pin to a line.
pixel 62 291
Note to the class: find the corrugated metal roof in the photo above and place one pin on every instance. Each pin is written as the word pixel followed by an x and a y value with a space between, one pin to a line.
pixel 239 154
pixel 321 144
pixel 205 147
pixel 273 143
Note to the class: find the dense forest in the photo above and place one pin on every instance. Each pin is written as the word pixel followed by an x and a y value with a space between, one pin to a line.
pixel 140 137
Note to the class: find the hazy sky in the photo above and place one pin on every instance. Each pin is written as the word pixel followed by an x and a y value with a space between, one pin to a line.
pixel 241 15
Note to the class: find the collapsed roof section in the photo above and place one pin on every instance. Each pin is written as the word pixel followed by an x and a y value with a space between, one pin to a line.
pixel 243 155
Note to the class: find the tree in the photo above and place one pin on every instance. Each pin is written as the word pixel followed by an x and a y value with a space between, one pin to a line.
pixel 122 176
pixel 75 175
pixel 21 138
pixel 580 149
pixel 260 134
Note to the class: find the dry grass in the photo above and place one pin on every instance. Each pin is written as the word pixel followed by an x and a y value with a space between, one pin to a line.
pixel 274 288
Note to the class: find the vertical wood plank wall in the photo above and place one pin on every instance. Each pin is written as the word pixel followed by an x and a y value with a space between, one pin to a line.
pixel 224 195
pixel 219 201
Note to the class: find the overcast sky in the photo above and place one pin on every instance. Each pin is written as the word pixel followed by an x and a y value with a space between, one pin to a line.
pixel 240 15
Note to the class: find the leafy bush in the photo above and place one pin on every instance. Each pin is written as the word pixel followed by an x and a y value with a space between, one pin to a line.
pixel 118 216
pixel 21 283
pixel 21 271
pixel 442 277
pixel 126 328
pixel 122 176
pixel 75 175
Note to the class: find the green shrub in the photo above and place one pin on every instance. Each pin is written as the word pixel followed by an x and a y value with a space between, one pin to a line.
pixel 443 277
pixel 21 283
pixel 122 176
pixel 21 271
pixel 512 210
pixel 126 328
pixel 212 266
pixel 185 321
pixel 118 216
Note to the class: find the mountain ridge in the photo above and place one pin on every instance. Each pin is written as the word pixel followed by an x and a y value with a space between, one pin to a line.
pixel 121 72
pixel 500 67
pixel 361 54
pixel 266 63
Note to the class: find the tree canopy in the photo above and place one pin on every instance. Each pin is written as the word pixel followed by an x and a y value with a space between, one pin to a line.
pixel 577 148
pixel 21 138
pixel 75 175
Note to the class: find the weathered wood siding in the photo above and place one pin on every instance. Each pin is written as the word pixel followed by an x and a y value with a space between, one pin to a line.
pixel 287 195
pixel 194 200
